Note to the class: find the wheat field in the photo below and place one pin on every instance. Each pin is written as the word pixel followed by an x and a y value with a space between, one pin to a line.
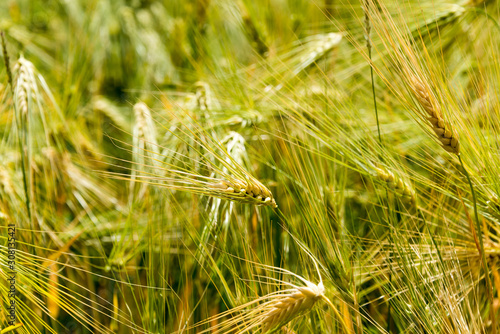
pixel 237 166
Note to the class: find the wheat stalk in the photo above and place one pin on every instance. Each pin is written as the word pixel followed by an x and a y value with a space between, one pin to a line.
pixel 368 26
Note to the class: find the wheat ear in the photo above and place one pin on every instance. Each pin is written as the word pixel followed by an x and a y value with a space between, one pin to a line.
pixel 251 190
pixel 145 148
pixel 297 301
pixel 248 191
pixel 25 84
pixel 445 132
pixel 274 310
pixel 396 184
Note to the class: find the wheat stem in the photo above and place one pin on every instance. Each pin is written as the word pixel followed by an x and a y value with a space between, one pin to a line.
pixel 6 60
pixel 489 287
pixel 369 47
pixel 337 313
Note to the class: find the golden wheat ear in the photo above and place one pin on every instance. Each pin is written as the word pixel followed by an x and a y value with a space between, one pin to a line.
pixel 414 73
pixel 272 311
pixel 445 132
pixel 298 301
pixel 247 191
